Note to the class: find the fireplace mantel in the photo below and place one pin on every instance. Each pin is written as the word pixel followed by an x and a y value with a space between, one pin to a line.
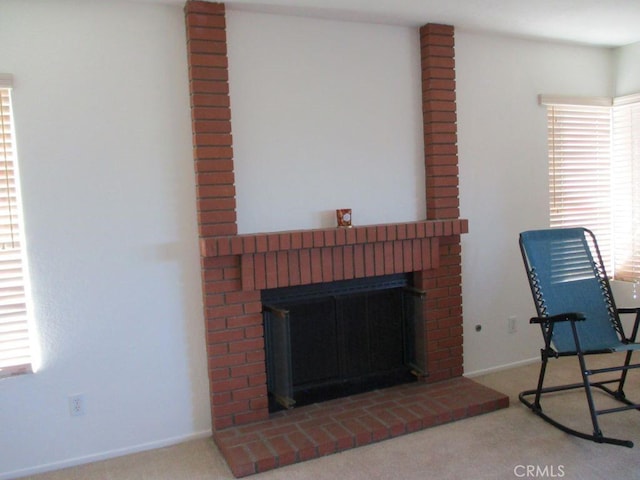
pixel 284 259
pixel 329 237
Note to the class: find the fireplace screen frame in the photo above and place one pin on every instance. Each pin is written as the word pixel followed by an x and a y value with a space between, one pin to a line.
pixel 283 381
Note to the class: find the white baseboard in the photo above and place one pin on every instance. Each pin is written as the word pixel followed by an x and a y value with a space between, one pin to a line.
pixel 499 368
pixel 118 452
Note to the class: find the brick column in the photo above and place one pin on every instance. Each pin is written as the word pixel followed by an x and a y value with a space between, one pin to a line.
pixel 443 284
pixel 233 319
pixel 211 118
pixel 439 113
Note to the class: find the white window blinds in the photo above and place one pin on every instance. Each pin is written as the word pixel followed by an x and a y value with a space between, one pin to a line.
pixel 580 173
pixel 15 355
pixel 626 194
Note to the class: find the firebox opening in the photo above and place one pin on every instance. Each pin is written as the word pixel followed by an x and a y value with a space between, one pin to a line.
pixel 330 340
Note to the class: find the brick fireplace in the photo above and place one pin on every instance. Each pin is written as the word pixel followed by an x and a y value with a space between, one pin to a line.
pixel 235 268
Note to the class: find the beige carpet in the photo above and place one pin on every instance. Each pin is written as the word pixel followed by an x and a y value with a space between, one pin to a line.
pixel 508 444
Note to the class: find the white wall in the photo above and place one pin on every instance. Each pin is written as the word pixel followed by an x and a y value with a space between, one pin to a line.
pixel 503 177
pixel 627 67
pixel 326 115
pixel 104 138
pixel 101 106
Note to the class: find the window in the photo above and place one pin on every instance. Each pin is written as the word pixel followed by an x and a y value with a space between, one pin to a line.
pixel 15 352
pixel 594 174
pixel 626 194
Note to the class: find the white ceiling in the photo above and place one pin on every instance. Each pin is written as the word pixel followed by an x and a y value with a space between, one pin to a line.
pixel 608 23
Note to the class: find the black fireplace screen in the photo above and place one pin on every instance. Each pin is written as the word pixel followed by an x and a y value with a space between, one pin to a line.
pixel 329 340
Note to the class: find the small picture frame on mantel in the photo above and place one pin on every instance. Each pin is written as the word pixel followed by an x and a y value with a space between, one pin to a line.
pixel 343 216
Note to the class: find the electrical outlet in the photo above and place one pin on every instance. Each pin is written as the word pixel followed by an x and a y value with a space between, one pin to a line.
pixel 511 324
pixel 76 405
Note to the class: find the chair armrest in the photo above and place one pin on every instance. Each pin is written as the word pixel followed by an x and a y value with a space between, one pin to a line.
pixel 561 317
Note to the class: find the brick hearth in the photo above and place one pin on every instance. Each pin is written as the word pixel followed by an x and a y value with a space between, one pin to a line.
pixel 235 268
pixel 330 427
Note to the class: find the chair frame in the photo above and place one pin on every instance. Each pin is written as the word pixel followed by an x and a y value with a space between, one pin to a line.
pixel 547 323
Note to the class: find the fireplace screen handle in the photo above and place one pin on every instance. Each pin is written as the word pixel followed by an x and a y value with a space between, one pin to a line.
pixel 278 346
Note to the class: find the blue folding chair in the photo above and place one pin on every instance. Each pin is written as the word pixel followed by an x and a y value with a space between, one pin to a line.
pixel 578 317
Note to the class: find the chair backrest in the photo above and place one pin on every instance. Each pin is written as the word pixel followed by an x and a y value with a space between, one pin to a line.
pixel 566 274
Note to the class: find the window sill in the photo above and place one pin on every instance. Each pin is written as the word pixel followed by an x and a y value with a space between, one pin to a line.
pixel 14 371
